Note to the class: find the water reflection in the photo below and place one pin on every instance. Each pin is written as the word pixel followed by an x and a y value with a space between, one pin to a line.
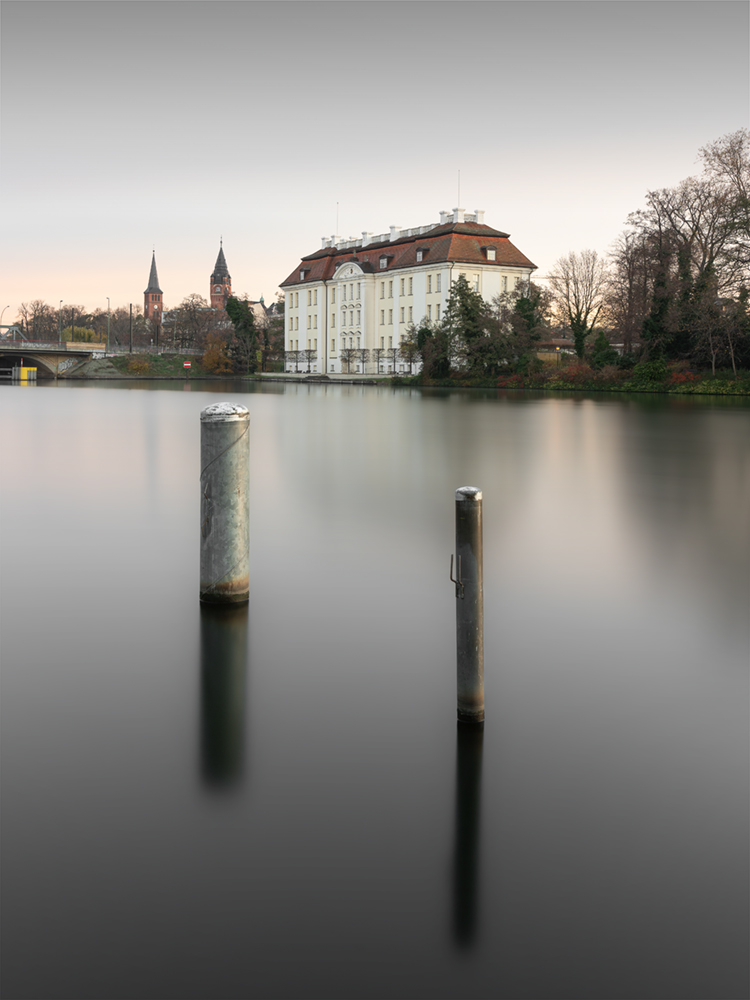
pixel 223 670
pixel 469 739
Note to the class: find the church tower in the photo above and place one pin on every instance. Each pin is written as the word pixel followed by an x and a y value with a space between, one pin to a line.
pixel 152 297
pixel 221 281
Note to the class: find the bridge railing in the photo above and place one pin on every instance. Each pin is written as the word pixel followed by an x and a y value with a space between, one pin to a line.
pixel 54 345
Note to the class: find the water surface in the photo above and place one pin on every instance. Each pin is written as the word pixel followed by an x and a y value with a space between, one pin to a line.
pixel 275 803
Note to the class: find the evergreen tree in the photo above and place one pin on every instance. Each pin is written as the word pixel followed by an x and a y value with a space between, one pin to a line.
pixel 244 347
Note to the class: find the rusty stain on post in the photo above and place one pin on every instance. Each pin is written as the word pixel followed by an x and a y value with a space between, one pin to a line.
pixel 225 512
pixel 469 605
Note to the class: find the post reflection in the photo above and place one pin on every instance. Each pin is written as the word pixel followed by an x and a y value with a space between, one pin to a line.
pixel 469 738
pixel 223 670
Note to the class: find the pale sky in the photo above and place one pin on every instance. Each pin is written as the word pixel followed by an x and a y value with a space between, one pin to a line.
pixel 133 125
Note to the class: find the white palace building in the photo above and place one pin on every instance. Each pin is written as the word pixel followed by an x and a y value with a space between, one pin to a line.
pixel 366 293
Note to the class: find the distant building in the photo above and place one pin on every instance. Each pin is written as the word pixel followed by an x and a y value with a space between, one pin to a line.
pixel 153 306
pixel 221 281
pixel 366 293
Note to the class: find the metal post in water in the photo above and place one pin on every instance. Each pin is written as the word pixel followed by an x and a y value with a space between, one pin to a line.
pixel 469 604
pixel 225 510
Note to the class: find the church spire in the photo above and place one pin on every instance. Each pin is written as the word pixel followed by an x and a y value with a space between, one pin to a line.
pixel 221 280
pixel 153 278
pixel 152 297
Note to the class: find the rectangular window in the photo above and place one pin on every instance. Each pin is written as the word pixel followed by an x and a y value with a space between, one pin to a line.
pixel 390 289
pixel 382 342
pixel 315 297
pixel 333 344
pixel 359 289
pixel 420 254
pixel 315 321
pixel 309 297
pixel 429 312
pixel 518 282
pixel 309 322
pixel 382 317
pixel 410 314
pixel 333 321
pixel 390 317
pixel 382 289
pixel 296 322
pixel 402 314
pixel 315 343
pixel 402 285
pixel 333 296
pixel 437 282
pixel 437 313
pixel 296 299
pixel 359 314
pixel 411 286
pixel 491 255
pixel 351 291
pixel 476 282
pixel 429 282
pixel 390 341
pixel 383 262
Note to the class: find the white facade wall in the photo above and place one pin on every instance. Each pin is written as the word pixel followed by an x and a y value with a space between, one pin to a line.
pixel 370 310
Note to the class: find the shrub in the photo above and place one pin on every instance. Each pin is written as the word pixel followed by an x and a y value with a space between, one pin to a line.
pixel 139 366
pixel 650 373
pixel 576 373
pixel 215 358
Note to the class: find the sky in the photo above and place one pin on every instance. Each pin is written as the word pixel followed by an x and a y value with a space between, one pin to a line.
pixel 132 126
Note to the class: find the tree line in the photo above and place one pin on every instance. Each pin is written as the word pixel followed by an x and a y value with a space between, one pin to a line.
pixel 192 324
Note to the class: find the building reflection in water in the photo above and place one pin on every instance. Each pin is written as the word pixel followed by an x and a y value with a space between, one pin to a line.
pixel 466 853
pixel 223 672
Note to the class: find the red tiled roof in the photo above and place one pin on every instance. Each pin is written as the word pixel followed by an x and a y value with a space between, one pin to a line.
pixel 460 243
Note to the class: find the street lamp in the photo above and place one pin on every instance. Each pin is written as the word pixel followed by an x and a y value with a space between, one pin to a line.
pixel 2 313
pixel 108 324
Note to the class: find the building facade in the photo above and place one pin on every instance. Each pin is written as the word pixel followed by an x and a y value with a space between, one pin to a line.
pixel 366 293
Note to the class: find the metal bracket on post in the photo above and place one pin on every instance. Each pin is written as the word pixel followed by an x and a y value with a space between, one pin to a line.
pixel 458 582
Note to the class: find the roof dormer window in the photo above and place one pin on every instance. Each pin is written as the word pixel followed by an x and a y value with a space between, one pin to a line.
pixel 303 274
pixel 383 262
pixel 490 253
pixel 420 255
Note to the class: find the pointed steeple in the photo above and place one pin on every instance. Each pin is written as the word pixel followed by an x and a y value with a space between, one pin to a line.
pixel 153 278
pixel 220 267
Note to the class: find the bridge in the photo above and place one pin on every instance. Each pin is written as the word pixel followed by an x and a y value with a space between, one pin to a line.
pixel 50 359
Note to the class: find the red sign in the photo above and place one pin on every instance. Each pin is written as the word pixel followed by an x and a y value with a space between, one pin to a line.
pixel 186 364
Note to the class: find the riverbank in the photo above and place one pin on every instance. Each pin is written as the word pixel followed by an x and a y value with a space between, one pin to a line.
pixel 651 377
pixel 567 380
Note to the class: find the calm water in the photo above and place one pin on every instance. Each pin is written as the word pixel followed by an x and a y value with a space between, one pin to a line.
pixel 275 803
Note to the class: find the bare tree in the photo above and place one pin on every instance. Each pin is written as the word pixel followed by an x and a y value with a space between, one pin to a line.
pixel 347 355
pixel 363 356
pixel 293 357
pixel 579 282
pixel 378 354
pixel 309 354
pixel 393 353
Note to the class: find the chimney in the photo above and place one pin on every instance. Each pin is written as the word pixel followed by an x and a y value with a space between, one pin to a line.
pixel 458 214
pixel 366 238
pixel 395 233
pixel 323 242
pixel 480 216
pixel 445 218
